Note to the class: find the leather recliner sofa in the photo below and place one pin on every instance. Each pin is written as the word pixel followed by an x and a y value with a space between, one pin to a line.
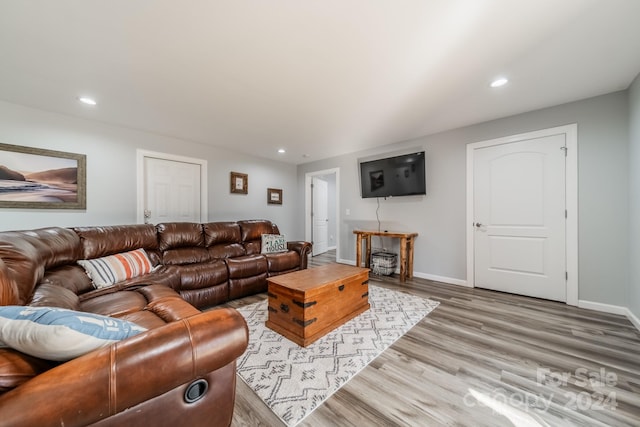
pixel 181 370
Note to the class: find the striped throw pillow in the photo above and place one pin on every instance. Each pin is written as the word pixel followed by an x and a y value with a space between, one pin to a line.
pixel 106 271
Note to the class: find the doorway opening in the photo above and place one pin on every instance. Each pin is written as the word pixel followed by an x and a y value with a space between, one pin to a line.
pixel 316 221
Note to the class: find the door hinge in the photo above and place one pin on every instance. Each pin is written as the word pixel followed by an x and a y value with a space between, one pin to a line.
pixel 566 275
pixel 566 215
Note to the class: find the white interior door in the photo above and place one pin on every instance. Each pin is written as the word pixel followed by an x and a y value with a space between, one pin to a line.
pixel 172 191
pixel 519 210
pixel 319 215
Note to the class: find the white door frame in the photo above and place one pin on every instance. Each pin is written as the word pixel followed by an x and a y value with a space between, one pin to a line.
pixel 140 174
pixel 571 189
pixel 307 205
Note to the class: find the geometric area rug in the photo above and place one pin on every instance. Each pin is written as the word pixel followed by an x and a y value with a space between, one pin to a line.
pixel 294 380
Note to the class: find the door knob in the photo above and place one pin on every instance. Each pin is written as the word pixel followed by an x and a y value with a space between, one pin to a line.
pixel 477 224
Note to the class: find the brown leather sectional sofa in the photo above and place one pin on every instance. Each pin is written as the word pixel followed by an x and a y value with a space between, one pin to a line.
pixel 150 378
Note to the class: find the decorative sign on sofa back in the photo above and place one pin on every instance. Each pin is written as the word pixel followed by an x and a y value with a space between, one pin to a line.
pixel 272 243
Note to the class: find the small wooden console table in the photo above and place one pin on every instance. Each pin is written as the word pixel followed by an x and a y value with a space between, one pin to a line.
pixel 406 249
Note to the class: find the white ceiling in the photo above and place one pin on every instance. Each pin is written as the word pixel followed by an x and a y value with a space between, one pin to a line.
pixel 316 77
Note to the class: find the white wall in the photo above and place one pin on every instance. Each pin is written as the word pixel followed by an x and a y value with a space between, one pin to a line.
pixel 439 217
pixel 111 172
pixel 634 196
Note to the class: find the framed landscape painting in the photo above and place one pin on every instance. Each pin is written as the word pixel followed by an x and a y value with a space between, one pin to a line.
pixel 39 178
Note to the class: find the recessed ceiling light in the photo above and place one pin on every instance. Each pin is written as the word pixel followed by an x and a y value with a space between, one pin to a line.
pixel 499 82
pixel 86 100
pixel 282 151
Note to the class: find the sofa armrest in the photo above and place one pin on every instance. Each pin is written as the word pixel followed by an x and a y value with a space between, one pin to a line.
pixel 303 248
pixel 107 381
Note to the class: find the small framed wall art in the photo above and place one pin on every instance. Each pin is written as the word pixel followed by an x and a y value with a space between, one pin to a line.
pixel 239 183
pixel 41 179
pixel 274 196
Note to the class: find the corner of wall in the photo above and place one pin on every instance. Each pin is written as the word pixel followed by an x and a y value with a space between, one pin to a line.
pixel 634 200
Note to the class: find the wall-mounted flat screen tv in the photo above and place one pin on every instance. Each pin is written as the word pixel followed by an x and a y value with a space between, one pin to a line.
pixel 394 176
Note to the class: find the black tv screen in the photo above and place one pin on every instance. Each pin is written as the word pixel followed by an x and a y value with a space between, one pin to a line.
pixel 394 176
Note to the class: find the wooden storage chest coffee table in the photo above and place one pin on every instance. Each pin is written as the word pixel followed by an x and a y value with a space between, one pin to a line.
pixel 306 305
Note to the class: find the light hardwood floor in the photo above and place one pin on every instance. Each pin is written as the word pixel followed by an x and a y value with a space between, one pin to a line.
pixel 484 358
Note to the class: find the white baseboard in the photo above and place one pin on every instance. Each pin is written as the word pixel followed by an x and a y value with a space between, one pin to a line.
pixel 433 277
pixel 612 309
pixel 605 308
pixel 633 318
pixel 442 279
